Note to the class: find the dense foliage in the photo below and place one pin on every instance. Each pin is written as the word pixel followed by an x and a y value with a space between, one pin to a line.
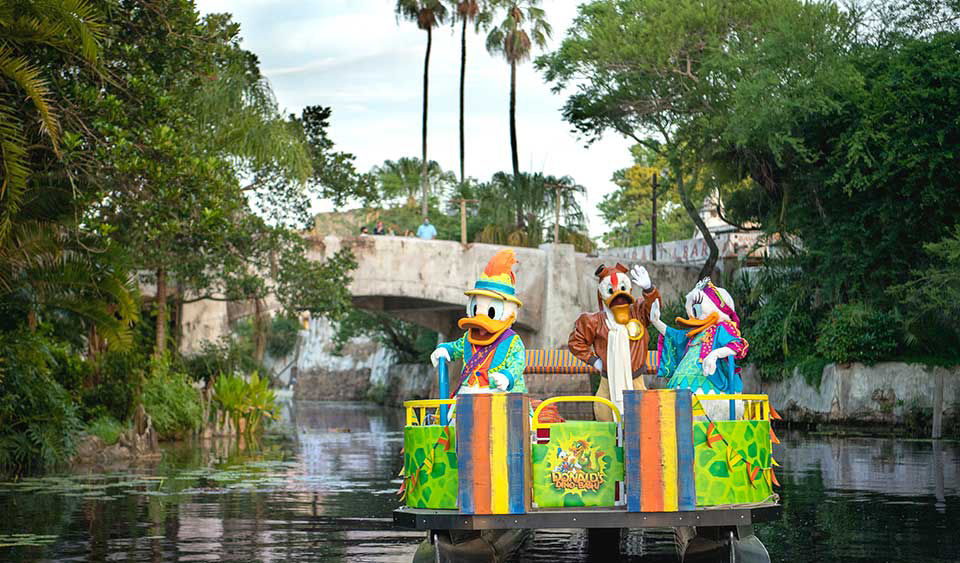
pixel 171 401
pixel 125 130
pixel 836 130
pixel 39 421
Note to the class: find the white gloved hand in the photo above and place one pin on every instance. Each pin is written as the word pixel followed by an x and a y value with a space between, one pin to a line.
pixel 598 365
pixel 640 277
pixel 437 354
pixel 655 318
pixel 500 381
pixel 710 363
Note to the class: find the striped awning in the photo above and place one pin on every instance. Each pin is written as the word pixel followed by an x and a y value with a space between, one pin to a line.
pixel 563 361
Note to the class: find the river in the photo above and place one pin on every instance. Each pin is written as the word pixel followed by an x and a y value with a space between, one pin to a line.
pixel 323 490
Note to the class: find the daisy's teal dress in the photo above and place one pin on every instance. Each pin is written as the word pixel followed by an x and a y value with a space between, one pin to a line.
pixel 681 359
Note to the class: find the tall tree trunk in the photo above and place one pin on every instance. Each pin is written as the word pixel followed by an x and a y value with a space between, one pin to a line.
pixel 424 186
pixel 259 330
pixel 513 119
pixel 463 76
pixel 161 343
pixel 178 315
pixel 694 214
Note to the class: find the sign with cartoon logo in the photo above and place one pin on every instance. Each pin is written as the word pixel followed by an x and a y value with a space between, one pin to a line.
pixel 581 465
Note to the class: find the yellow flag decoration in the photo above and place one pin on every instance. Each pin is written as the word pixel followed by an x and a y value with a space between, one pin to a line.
pixel 698 408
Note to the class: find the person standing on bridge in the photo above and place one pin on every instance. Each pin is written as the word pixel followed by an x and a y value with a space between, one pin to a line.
pixel 614 339
pixel 426 231
pixel 493 354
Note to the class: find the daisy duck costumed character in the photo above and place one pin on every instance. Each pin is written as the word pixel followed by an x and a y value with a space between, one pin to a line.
pixel 701 356
pixel 614 339
pixel 493 354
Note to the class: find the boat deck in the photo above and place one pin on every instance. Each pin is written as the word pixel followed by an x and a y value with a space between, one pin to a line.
pixel 428 519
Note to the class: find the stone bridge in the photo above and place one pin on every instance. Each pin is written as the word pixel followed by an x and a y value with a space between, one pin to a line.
pixel 423 282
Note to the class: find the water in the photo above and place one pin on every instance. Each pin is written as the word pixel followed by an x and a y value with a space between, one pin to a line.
pixel 326 495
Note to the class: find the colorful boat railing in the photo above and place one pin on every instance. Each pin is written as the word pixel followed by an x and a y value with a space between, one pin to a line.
pixel 644 459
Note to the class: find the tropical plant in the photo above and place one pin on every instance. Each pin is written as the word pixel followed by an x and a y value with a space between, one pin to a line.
pixel 427 14
pixel 930 302
pixel 402 177
pixel 44 271
pixel 242 399
pixel 518 210
pixel 524 26
pixel 29 109
pixel 107 428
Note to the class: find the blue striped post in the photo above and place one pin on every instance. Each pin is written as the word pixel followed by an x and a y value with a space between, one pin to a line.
pixel 443 387
pixel 686 486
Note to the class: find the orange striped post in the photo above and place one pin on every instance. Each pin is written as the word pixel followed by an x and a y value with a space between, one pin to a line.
pixel 658 450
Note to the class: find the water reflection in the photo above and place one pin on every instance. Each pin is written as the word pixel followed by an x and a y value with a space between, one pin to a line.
pixel 324 493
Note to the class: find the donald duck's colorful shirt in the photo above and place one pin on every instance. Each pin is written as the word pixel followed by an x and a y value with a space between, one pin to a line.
pixel 508 357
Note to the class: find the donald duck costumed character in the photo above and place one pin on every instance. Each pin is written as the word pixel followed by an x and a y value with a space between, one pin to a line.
pixel 493 355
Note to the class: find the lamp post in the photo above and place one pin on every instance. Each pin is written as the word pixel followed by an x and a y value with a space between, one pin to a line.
pixel 653 219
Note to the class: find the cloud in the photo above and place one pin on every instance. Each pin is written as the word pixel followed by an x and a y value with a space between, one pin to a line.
pixel 353 56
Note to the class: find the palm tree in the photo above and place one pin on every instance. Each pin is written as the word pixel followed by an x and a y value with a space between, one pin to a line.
pixel 479 13
pixel 428 14
pixel 43 269
pixel 517 210
pixel 27 27
pixel 512 40
pixel 402 177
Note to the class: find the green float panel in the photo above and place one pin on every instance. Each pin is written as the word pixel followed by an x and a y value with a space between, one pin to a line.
pixel 426 455
pixel 718 481
pixel 580 466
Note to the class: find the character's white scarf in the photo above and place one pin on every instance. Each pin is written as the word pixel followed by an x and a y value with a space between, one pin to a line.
pixel 619 365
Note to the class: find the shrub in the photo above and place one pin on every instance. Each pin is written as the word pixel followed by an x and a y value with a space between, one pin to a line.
pixel 106 428
pixel 39 422
pixel 171 401
pixel 115 386
pixel 236 397
pixel 780 334
pixel 857 333
pixel 283 335
pixel 227 355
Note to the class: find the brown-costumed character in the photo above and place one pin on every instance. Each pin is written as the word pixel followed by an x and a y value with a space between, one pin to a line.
pixel 614 339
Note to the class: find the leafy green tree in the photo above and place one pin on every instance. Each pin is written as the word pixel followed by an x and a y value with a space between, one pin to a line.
pixel 628 209
pixel 427 14
pixel 523 26
pixel 29 109
pixel 930 301
pixel 192 114
pixel 667 74
pixel 334 176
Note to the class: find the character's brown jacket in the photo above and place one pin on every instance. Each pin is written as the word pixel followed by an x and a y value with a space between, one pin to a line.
pixel 588 341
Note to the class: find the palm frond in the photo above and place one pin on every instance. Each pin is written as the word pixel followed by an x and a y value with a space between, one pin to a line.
pixel 13 168
pixel 27 77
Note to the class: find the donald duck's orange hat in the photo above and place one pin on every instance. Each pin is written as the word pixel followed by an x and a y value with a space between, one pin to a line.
pixel 497 279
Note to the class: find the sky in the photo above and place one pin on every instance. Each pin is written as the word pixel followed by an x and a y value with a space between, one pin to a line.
pixel 353 56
